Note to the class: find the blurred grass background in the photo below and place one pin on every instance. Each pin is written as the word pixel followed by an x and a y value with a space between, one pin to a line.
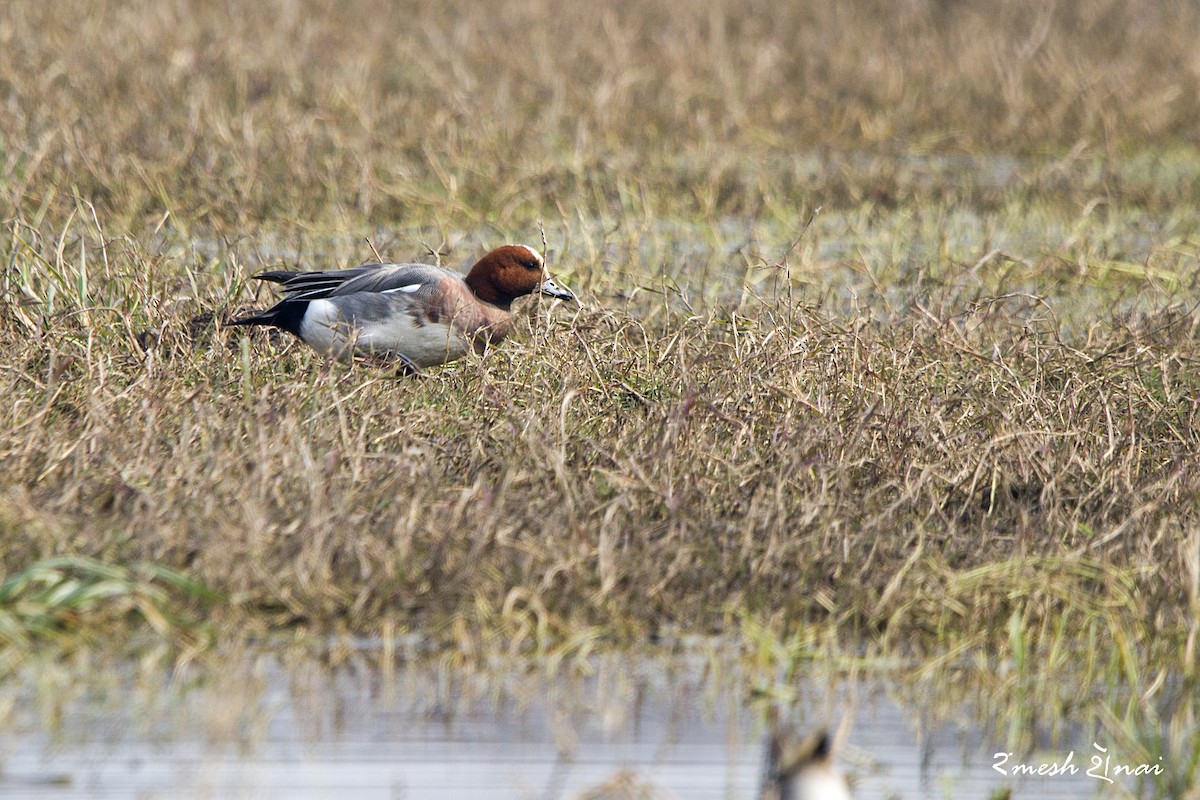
pixel 461 115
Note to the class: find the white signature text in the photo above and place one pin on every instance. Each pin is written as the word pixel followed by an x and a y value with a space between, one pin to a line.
pixel 1102 766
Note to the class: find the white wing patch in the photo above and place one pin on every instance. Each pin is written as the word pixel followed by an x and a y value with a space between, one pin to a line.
pixel 410 289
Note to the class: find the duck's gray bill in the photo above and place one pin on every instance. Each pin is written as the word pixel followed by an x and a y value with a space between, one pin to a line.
pixel 554 290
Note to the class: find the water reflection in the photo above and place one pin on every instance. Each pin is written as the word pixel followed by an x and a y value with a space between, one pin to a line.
pixel 270 726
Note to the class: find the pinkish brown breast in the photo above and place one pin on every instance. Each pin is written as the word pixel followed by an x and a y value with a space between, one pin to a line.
pixel 478 321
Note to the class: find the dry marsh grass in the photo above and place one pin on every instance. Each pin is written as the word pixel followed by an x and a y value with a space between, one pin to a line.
pixel 487 113
pixel 958 410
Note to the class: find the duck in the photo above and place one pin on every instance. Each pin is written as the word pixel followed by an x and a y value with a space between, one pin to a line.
pixel 418 314
pixel 803 770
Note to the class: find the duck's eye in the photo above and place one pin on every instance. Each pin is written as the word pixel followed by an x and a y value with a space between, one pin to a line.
pixel 529 263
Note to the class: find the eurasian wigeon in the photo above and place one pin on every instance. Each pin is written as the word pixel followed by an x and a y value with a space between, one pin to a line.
pixel 420 314
pixel 803 770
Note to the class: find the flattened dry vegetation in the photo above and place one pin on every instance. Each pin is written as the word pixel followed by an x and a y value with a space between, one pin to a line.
pixel 962 399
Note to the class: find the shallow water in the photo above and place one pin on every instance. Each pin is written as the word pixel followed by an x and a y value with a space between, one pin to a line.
pixel 270 727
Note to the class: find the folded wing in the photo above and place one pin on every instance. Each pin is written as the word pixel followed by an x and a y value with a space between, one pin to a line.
pixel 369 278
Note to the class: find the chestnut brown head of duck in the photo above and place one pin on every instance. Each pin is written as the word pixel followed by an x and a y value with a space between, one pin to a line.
pixel 510 272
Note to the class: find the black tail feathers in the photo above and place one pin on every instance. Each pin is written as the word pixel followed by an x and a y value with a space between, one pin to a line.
pixel 285 315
